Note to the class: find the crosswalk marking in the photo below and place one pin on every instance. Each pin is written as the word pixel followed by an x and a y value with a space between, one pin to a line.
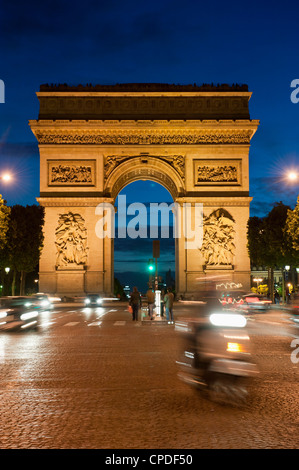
pixel 95 323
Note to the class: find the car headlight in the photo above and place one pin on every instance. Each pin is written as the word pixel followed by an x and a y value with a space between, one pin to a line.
pixel 87 301
pixel 28 315
pixel 3 314
pixel 45 303
pixel 99 301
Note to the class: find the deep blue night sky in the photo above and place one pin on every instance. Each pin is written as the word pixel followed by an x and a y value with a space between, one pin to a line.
pixel 109 42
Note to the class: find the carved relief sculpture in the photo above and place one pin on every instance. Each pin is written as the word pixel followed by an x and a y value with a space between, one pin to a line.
pixel 71 173
pixel 71 240
pixel 215 174
pixel 218 246
pixel 223 172
pixel 150 137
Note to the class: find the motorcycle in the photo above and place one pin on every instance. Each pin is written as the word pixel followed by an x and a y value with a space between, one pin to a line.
pixel 216 356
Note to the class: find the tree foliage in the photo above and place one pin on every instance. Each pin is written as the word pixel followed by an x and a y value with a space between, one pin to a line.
pixel 256 241
pixel 292 226
pixel 24 239
pixel 269 243
pixel 4 222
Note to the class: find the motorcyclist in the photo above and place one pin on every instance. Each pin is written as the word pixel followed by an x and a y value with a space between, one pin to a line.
pixel 210 303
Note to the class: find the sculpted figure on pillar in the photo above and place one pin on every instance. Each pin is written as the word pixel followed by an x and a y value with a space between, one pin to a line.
pixel 218 246
pixel 71 240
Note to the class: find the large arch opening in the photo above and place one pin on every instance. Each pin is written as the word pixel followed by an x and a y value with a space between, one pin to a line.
pixel 143 214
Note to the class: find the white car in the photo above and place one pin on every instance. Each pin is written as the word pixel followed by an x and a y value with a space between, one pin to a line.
pixel 43 301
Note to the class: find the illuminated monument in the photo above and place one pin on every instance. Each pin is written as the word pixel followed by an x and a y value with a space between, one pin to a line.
pixel 94 140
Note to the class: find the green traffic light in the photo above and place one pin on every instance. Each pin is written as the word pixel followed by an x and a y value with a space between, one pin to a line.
pixel 150 265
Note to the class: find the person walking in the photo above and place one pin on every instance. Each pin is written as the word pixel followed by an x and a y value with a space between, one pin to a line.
pixel 150 295
pixel 135 302
pixel 168 301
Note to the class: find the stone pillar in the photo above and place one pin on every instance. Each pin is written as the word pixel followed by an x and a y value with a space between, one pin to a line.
pixel 193 140
pixel 83 267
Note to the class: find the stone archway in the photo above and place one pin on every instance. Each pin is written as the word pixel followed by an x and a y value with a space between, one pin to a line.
pixel 147 168
pixel 155 168
pixel 94 141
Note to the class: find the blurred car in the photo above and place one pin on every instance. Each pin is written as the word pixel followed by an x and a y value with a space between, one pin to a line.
pixel 92 300
pixel 42 300
pixel 254 302
pixel 18 313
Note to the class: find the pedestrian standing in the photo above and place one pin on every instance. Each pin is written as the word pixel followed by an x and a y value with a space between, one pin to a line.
pixel 135 302
pixel 150 295
pixel 168 301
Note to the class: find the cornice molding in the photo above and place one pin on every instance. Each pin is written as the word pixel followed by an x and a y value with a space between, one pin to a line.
pixel 73 201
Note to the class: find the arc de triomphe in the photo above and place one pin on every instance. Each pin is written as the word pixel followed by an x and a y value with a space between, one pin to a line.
pixel 94 140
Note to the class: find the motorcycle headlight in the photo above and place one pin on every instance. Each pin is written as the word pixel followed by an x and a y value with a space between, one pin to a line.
pixel 234 347
pixel 233 320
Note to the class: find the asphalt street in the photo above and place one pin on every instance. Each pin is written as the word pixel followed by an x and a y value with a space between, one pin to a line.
pixel 94 379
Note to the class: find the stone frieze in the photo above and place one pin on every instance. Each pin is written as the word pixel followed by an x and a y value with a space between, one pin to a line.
pixel 149 137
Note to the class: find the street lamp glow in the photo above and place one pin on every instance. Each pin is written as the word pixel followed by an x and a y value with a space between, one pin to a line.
pixel 6 177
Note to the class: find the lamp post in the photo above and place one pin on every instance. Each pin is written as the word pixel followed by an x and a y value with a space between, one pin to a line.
pixel 284 278
pixel 257 280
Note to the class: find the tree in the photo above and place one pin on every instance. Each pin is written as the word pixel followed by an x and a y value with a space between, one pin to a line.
pixel 268 242
pixel 256 243
pixel 292 226
pixel 24 240
pixel 119 290
pixel 4 221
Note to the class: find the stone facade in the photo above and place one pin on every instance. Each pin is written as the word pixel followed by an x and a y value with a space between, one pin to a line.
pixel 194 141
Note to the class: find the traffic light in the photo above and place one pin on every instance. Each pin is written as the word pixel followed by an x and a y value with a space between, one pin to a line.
pixel 151 265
